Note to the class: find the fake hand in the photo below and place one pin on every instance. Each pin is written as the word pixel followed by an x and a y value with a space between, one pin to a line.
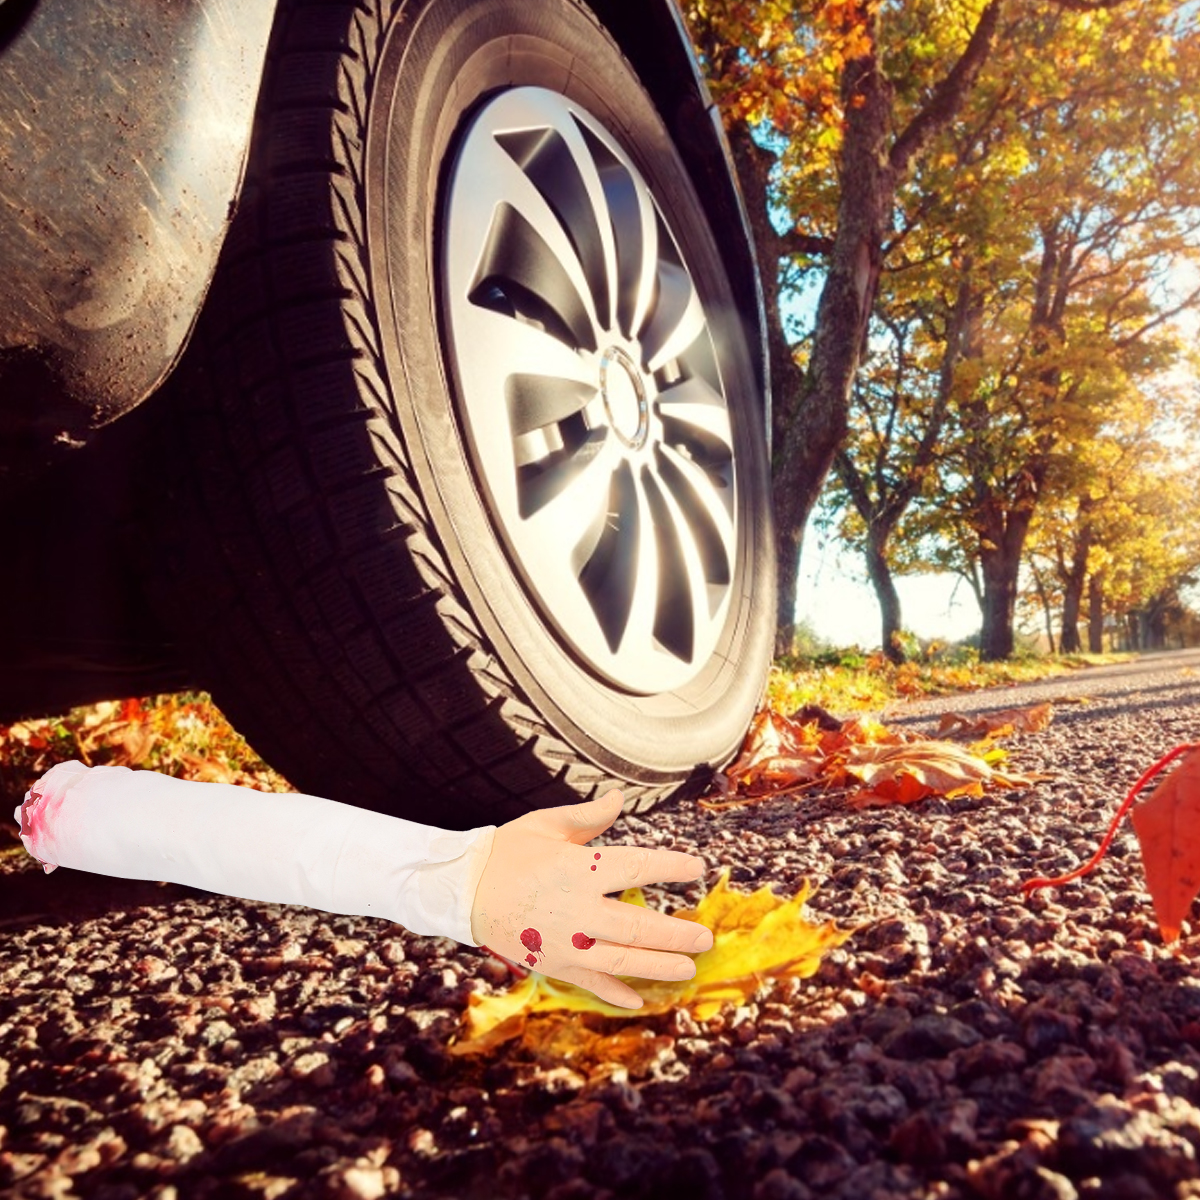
pixel 541 900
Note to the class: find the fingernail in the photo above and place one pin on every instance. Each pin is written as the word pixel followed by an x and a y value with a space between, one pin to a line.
pixel 704 941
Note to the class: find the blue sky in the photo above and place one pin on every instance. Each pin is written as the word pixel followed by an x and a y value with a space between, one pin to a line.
pixel 836 601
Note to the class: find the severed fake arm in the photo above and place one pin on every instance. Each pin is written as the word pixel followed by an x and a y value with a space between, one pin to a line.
pixel 285 848
pixel 533 889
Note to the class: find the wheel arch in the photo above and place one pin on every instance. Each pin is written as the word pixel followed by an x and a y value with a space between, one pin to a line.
pixel 86 332
pixel 124 125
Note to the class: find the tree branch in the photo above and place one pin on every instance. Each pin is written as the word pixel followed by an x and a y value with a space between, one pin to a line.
pixel 949 94
pixel 810 245
pixel 1166 314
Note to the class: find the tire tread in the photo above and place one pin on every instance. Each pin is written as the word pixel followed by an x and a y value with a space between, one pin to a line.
pixel 277 484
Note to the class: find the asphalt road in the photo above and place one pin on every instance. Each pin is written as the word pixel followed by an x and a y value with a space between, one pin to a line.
pixel 1163 678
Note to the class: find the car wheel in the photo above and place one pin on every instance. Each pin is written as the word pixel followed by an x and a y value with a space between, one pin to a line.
pixel 474 515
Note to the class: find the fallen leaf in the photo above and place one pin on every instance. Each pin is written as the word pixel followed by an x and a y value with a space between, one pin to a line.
pixel 1168 829
pixel 1004 723
pixel 556 1039
pixel 756 936
pixel 917 770
pixel 810 713
pixel 782 756
pixel 137 741
pixel 207 770
pixel 1167 834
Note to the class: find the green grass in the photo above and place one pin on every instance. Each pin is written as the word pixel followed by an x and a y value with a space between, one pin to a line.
pixel 848 681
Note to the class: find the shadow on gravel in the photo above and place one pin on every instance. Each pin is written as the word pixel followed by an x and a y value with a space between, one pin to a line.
pixel 1067 706
pixel 28 896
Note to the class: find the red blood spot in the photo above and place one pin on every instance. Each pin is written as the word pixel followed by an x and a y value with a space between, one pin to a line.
pixel 593 866
pixel 597 856
pixel 581 941
pixel 531 959
pixel 531 939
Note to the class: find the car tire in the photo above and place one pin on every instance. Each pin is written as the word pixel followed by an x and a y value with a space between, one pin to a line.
pixel 358 458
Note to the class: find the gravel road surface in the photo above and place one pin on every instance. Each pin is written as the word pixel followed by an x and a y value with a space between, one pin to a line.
pixel 964 1043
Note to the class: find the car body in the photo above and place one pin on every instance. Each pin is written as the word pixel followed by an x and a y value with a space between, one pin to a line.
pixel 125 131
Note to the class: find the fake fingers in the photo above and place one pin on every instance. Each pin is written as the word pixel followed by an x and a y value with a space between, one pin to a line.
pixel 632 925
pixel 542 900
pixel 621 867
pixel 608 988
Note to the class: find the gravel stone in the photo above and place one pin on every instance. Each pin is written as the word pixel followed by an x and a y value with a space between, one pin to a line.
pixel 966 1043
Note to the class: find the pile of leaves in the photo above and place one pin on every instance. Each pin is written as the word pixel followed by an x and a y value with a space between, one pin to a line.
pixel 182 734
pixel 812 749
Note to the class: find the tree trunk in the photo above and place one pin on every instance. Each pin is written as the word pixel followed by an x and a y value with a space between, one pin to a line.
pixel 754 166
pixel 880 573
pixel 806 444
pixel 809 418
pixel 787 558
pixel 1047 615
pixel 1074 578
pixel 1072 601
pixel 996 639
pixel 1002 545
pixel 1096 613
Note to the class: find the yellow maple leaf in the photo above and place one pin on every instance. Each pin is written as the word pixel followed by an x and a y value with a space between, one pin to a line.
pixel 756 936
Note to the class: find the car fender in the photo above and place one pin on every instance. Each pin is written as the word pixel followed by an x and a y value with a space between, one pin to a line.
pixel 124 126
pixel 653 36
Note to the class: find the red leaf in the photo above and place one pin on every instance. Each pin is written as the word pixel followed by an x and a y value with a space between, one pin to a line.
pixel 1168 828
pixel 1167 834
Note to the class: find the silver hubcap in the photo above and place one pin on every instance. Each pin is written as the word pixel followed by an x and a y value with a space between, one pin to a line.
pixel 588 391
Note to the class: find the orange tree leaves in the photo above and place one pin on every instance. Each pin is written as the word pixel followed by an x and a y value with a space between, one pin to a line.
pixel 779 63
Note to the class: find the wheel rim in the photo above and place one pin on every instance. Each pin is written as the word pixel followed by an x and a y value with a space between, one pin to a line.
pixel 588 392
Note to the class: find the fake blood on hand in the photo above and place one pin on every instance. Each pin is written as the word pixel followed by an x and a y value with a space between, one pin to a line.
pixel 532 941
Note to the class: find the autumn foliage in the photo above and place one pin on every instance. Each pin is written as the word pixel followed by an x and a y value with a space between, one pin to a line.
pixel 788 755
pixel 977 222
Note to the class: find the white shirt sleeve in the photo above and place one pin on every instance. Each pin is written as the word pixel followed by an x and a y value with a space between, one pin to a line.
pixel 286 848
